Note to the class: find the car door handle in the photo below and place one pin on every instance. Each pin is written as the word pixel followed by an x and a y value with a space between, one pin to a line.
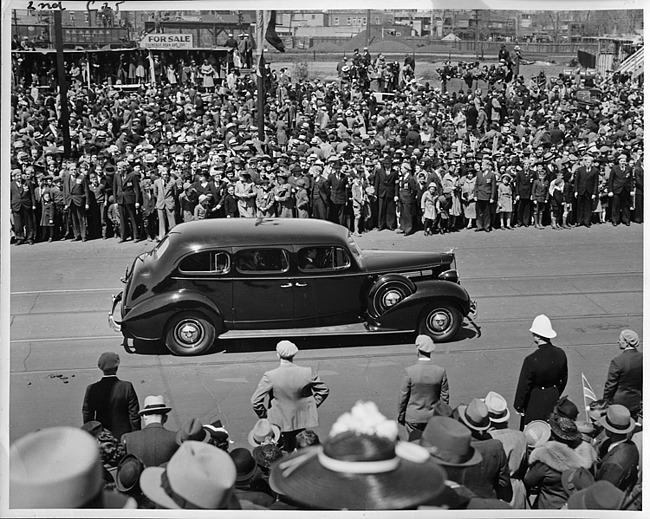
pixel 286 286
pixel 301 284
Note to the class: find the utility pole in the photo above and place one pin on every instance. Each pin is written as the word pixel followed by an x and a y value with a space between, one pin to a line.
pixel 476 33
pixel 63 86
pixel 260 28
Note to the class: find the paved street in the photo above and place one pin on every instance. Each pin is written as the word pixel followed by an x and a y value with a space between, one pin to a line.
pixel 588 281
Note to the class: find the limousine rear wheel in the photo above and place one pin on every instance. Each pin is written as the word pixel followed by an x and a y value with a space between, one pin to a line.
pixel 189 333
pixel 441 321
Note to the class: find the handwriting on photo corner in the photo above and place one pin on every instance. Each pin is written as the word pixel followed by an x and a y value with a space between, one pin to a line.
pixel 91 5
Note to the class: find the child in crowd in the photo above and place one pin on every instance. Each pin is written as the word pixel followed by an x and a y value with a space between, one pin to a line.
pixel 229 202
pixel 302 199
pixel 556 194
pixel 114 216
pixel 504 202
pixel 48 213
pixel 428 205
pixel 202 207
pixel 540 195
pixel 443 204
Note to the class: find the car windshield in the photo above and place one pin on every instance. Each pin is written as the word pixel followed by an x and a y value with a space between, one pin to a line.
pixel 355 250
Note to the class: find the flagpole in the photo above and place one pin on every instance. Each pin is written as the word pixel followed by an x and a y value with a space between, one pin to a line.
pixel 261 95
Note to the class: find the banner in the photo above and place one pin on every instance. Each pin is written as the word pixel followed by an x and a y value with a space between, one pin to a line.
pixel 271 34
pixel 158 41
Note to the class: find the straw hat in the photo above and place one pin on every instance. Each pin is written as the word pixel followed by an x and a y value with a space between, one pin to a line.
pixel 198 476
pixel 475 415
pixel 497 407
pixel 537 433
pixel 617 419
pixel 154 404
pixel 263 432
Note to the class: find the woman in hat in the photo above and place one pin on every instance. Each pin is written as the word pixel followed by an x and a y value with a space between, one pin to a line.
pixel 543 375
pixel 624 383
pixel 564 451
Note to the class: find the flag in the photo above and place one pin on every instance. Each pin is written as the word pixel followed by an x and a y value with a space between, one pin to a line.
pixel 587 394
pixel 261 65
pixel 270 34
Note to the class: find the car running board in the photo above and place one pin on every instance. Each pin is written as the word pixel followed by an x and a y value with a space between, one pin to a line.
pixel 344 329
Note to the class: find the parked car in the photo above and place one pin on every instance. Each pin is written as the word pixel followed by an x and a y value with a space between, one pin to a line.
pixel 587 97
pixel 215 278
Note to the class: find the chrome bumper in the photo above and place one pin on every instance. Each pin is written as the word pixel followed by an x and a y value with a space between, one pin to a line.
pixel 115 325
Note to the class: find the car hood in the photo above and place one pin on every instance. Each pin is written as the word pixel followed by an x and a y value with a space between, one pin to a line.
pixel 390 260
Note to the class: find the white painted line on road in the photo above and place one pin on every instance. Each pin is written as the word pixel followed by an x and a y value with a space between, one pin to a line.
pixel 58 339
pixel 32 292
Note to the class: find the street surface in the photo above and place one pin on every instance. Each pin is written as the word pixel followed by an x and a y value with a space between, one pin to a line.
pixel 588 281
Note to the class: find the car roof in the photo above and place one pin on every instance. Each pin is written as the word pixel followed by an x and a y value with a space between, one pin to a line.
pixel 254 232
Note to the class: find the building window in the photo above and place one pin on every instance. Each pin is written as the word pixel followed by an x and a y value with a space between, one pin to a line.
pixel 313 16
pixel 349 21
pixel 336 20
pixel 365 21
pixel 376 20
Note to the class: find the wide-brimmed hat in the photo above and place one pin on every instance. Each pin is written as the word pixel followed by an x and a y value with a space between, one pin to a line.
pixel 217 432
pixel 566 408
pixel 267 454
pixel 574 480
pixel 127 476
pixel 198 476
pixel 564 428
pixel 154 404
pixel 475 415
pixel 497 407
pixel 355 471
pixel 602 495
pixel 263 432
pixel 449 442
pixel 617 419
pixel 542 326
pixel 245 464
pixel 192 431
pixel 537 433
pixel 57 467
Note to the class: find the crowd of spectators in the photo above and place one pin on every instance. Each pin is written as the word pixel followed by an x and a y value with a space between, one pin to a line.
pixel 187 147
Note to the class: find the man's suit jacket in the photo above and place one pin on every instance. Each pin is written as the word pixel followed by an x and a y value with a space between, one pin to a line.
pixel 78 192
pixel 486 186
pixel 621 179
pixel 126 189
pixel 491 477
pixel 294 393
pixel 423 385
pixel 154 444
pixel 113 403
pixel 620 465
pixel 164 194
pixel 385 182
pixel 321 190
pixel 524 183
pixel 624 383
pixel 22 196
pixel 338 188
pixel 586 181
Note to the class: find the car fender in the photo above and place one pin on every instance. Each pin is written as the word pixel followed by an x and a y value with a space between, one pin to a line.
pixel 147 320
pixel 407 313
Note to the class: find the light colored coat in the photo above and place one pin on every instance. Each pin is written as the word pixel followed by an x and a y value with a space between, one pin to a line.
pixel 423 385
pixel 294 394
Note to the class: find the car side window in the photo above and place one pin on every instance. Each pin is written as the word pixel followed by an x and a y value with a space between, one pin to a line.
pixel 207 262
pixel 323 259
pixel 262 261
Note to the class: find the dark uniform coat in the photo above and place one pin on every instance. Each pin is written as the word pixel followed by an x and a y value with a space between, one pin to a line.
pixel 619 466
pixel 113 403
pixel 625 381
pixel 154 444
pixel 542 380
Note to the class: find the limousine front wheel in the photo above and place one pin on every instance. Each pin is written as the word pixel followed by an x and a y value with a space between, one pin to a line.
pixel 441 321
pixel 189 333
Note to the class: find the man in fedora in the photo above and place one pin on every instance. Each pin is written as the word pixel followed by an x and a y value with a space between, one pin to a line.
pixel 624 383
pixel 294 394
pixel 111 401
pixel 514 445
pixel 154 444
pixel 491 477
pixel 618 454
pixel 423 385
pixel 543 375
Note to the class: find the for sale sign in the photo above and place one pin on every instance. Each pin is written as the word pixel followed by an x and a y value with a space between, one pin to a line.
pixel 167 41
